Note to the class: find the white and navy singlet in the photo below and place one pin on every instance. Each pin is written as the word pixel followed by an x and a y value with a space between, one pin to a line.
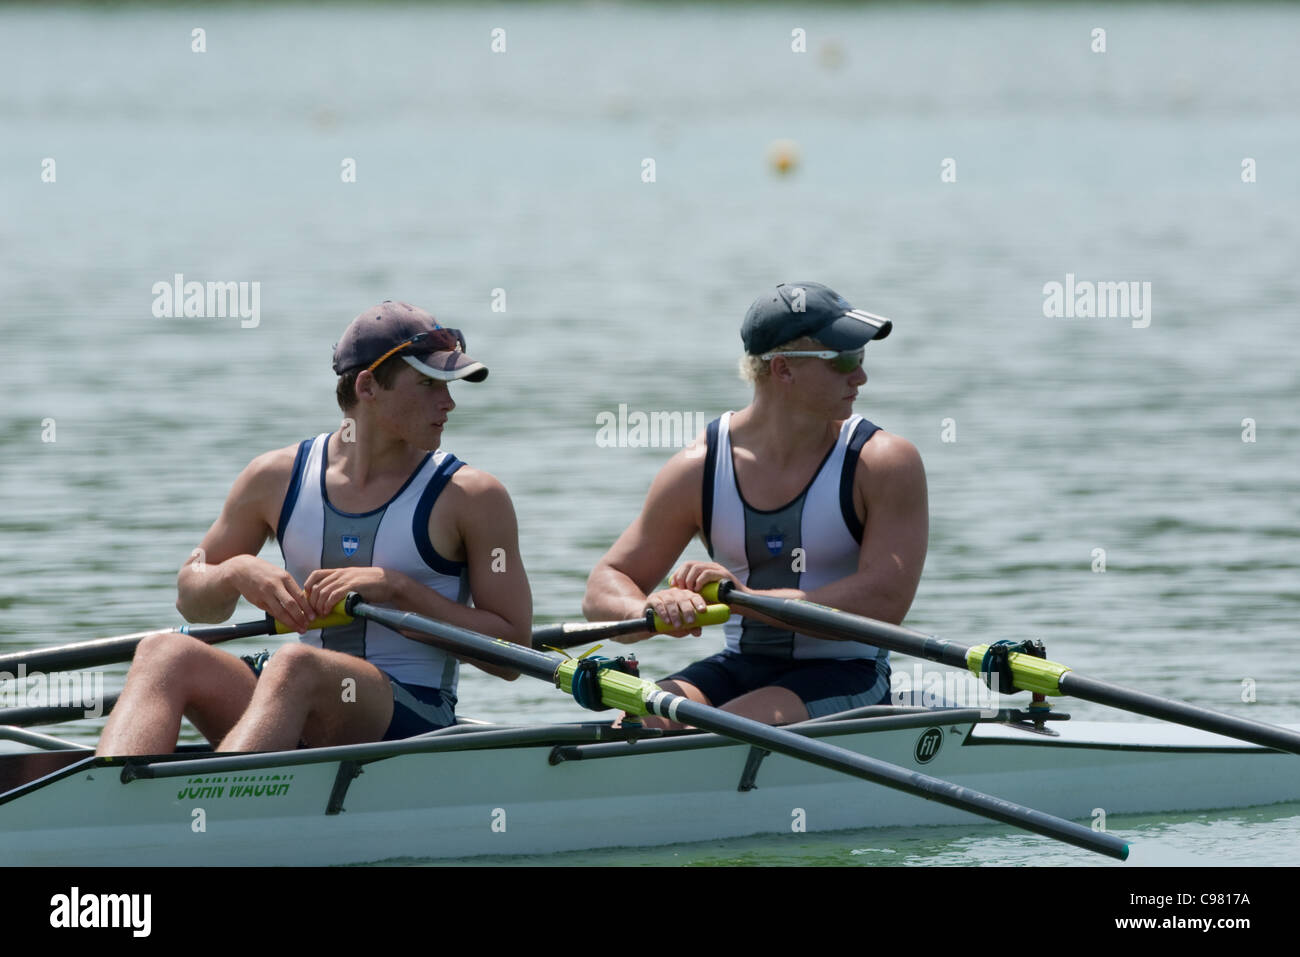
pixel 313 534
pixel 759 546
pixel 810 542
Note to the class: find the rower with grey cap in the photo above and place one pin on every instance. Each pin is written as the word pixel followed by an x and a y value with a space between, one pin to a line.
pixel 794 496
pixel 796 309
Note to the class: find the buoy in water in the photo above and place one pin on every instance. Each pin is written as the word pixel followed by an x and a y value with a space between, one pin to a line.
pixel 783 156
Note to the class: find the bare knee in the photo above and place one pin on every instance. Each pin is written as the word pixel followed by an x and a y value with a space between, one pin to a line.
pixel 177 665
pixel 770 705
pixel 171 658
pixel 163 649
pixel 297 665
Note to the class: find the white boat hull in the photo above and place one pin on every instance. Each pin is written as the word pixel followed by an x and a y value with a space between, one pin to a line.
pixel 513 800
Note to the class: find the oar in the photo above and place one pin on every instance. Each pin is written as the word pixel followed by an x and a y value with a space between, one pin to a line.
pixel 106 651
pixel 568 634
pixel 1029 673
pixel 21 717
pixel 639 696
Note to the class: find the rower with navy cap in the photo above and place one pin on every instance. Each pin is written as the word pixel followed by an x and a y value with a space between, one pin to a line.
pixel 794 496
pixel 376 507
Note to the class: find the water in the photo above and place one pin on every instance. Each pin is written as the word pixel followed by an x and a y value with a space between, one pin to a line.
pixel 522 171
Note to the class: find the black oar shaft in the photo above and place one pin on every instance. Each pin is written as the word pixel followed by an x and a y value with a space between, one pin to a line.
pixel 1193 716
pixel 106 651
pixel 495 651
pixel 544 667
pixel 568 634
pixel 28 715
pixel 831 623
pixel 889 775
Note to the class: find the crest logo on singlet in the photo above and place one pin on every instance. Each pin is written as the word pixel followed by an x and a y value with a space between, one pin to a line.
pixel 774 540
pixel 350 545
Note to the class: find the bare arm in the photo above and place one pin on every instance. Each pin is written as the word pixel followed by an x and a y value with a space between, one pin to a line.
pixel 498 583
pixel 621 581
pixel 225 565
pixel 891 482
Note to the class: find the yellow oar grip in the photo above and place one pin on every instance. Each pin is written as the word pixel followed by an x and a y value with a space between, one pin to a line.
pixel 715 614
pixel 336 617
pixel 710 592
pixel 1027 672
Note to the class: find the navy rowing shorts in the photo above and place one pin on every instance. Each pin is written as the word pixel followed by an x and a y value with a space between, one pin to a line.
pixel 417 709
pixel 824 685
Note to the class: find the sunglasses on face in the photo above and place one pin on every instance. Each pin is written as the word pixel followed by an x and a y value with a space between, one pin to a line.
pixel 840 361
pixel 441 339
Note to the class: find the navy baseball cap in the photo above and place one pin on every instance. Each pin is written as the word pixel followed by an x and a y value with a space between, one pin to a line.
pixel 797 309
pixel 400 329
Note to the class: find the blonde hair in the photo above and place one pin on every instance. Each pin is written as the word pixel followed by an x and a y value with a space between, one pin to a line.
pixel 753 369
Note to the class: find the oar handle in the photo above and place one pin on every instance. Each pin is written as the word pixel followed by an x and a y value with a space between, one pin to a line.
pixel 716 591
pixel 714 614
pixel 338 616
pixel 107 651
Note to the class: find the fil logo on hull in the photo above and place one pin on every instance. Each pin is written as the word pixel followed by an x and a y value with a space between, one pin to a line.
pixel 75 910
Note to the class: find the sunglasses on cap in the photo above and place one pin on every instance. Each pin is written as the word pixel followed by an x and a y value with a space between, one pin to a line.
pixel 441 339
pixel 840 361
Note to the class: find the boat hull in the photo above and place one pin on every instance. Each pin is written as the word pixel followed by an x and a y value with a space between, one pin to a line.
pixel 515 800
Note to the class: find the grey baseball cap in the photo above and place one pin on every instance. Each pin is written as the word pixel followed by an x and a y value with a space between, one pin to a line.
pixel 796 309
pixel 400 329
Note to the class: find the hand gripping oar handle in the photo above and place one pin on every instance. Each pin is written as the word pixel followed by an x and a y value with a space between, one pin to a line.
pixel 107 651
pixel 336 617
pixel 1028 673
pixel 640 697
pixel 567 634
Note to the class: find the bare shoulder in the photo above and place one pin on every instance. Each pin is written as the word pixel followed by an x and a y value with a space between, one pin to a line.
pixel 674 504
pixel 252 507
pixel 474 486
pixel 473 508
pixel 682 474
pixel 891 456
pixel 277 463
pixel 267 477
pixel 476 502
pixel 670 517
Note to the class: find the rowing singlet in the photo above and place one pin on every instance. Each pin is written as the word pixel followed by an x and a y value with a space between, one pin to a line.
pixel 811 542
pixel 314 534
